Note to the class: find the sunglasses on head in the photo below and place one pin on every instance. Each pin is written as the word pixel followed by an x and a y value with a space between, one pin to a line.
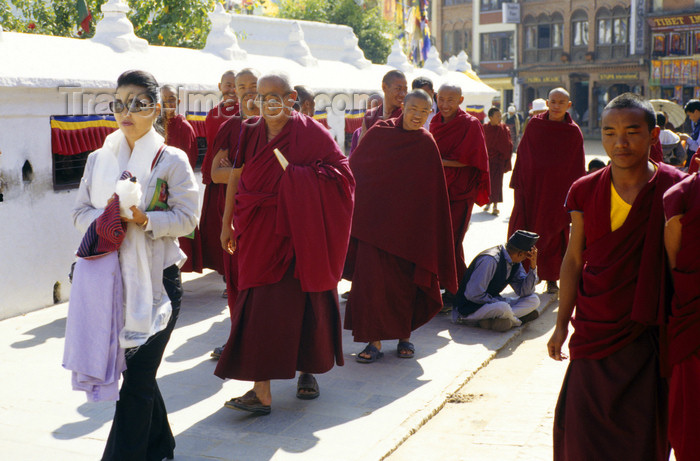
pixel 134 107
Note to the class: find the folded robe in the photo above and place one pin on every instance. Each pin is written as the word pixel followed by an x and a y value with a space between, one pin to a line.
pixel 622 289
pixel 95 310
pixel 550 158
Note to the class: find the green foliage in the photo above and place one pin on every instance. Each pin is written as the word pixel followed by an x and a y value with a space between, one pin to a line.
pixel 374 33
pixel 182 23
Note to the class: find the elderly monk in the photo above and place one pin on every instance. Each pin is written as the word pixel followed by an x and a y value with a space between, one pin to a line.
pixel 401 246
pixel 613 400
pixel 460 138
pixel 682 209
pixel 179 133
pixel 500 148
pixel 291 225
pixel 395 87
pixel 550 158
pixel 210 224
pixel 226 147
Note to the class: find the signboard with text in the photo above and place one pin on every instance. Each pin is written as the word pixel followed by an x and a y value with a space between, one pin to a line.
pixel 511 13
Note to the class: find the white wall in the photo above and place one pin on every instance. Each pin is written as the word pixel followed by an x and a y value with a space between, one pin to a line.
pixel 36 233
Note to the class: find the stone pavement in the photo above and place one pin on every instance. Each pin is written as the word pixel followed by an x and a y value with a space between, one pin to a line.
pixel 364 412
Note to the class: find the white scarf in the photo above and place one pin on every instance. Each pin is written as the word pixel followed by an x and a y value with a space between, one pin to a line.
pixel 147 307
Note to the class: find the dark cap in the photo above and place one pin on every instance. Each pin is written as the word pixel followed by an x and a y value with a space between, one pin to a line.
pixel 523 240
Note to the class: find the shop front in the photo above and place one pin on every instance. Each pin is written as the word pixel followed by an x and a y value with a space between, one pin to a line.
pixel 675 65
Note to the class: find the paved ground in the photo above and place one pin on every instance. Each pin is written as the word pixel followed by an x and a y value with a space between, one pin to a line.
pixel 364 412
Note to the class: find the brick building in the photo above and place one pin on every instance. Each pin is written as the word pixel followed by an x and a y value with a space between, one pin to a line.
pixel 595 48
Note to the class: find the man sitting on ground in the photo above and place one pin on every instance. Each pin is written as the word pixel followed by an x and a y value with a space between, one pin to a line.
pixel 479 300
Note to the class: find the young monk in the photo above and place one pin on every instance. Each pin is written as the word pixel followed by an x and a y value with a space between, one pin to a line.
pixel 550 158
pixel 682 209
pixel 612 403
pixel 179 133
pixel 395 87
pixel 401 246
pixel 292 206
pixel 226 147
pixel 500 149
pixel 210 224
pixel 460 138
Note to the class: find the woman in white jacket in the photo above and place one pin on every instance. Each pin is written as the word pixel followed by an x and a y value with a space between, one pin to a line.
pixel 149 258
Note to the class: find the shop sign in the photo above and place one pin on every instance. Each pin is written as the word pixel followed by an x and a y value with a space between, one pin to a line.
pixel 619 76
pixel 675 21
pixel 550 79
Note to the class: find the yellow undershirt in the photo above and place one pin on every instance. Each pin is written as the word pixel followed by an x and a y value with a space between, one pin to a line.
pixel 619 209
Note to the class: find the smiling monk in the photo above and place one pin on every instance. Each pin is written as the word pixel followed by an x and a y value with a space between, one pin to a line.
pixel 401 246
pixel 612 403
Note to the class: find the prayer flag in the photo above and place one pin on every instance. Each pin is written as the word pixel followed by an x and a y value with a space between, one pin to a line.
pixel 84 16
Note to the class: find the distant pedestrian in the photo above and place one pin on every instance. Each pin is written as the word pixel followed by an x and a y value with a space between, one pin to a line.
pixel 514 124
pixel 500 149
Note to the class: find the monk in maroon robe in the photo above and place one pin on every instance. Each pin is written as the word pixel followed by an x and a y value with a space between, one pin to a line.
pixel 226 146
pixel 613 400
pixel 550 158
pixel 291 226
pixel 500 149
pixel 401 246
pixel 395 87
pixel 179 133
pixel 460 138
pixel 682 209
pixel 210 222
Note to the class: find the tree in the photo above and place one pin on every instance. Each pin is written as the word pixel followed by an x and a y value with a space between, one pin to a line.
pixel 374 33
pixel 182 23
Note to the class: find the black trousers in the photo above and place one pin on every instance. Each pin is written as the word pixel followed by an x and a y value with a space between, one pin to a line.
pixel 140 430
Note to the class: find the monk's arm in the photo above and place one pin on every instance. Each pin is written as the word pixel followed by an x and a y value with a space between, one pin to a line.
pixel 227 241
pixel 453 163
pixel 221 167
pixel 570 277
pixel 672 238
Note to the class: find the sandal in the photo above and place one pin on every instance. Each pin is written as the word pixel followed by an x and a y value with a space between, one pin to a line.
pixel 307 382
pixel 249 402
pixel 405 346
pixel 374 354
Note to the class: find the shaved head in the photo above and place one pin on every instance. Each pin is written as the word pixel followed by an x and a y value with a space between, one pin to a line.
pixel 170 88
pixel 277 78
pixel 560 91
pixel 450 87
pixel 248 71
pixel 228 74
pixel 420 94
pixel 391 76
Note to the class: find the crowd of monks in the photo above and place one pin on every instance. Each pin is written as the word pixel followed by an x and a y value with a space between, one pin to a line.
pixel 286 215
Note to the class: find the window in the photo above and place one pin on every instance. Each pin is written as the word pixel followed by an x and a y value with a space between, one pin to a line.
pixel 68 170
pixel 579 29
pixel 612 34
pixel 458 43
pixel 497 46
pixel 531 37
pixel 447 49
pixel 543 38
pixel 557 35
pixel 492 5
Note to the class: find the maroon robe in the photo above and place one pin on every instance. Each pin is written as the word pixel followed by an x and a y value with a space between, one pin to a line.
pixel 613 400
pixel 500 148
pixel 401 246
pixel 210 222
pixel 550 158
pixel 684 322
pixel 292 228
pixel 656 153
pixel 462 139
pixel 180 134
pixel 375 115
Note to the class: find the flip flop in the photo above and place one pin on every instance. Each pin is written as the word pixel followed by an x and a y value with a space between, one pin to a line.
pixel 374 354
pixel 307 382
pixel 249 402
pixel 405 346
